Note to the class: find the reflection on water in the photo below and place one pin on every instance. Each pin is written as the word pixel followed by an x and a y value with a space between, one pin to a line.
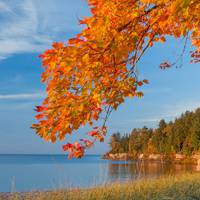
pixel 136 170
pixel 44 172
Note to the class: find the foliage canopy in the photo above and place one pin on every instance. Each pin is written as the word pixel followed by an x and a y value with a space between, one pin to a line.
pixel 93 73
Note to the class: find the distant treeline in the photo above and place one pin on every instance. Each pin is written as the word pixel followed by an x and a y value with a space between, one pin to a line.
pixel 181 136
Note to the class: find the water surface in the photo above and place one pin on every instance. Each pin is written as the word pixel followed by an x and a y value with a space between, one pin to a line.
pixel 45 172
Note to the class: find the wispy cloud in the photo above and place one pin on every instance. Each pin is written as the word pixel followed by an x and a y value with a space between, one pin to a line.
pixel 4 7
pixel 168 112
pixel 154 119
pixel 179 108
pixel 20 29
pixel 22 96
pixel 32 25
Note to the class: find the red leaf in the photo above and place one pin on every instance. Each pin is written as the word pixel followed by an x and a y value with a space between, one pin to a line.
pixel 39 116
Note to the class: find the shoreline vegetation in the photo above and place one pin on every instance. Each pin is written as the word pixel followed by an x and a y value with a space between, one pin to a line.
pixel 180 187
pixel 177 141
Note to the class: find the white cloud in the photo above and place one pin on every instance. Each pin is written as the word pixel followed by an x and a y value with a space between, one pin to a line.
pixel 20 29
pixel 32 25
pixel 22 96
pixel 4 7
pixel 12 46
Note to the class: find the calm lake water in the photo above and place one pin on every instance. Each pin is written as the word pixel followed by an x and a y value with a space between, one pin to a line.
pixel 45 172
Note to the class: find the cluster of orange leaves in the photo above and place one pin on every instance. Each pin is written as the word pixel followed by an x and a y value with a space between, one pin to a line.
pixel 91 74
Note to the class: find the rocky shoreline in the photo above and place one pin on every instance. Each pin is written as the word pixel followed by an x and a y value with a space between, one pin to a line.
pixel 176 158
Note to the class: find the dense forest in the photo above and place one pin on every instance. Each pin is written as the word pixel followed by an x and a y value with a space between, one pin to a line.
pixel 181 136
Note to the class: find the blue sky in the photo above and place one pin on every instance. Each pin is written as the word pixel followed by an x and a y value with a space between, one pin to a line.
pixel 28 27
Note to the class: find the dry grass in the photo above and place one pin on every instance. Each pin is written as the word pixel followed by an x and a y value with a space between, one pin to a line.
pixel 183 187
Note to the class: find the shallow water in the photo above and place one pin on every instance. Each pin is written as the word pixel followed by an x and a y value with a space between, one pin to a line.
pixel 45 172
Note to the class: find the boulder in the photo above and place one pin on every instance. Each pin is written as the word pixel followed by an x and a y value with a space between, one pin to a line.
pixel 154 157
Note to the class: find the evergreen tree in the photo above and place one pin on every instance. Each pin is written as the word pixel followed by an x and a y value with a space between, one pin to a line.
pixel 180 136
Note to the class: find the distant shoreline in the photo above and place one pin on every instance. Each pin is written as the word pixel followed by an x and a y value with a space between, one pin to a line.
pixel 175 158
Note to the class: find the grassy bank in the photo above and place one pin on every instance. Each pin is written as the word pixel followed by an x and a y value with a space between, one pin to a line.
pixel 183 187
